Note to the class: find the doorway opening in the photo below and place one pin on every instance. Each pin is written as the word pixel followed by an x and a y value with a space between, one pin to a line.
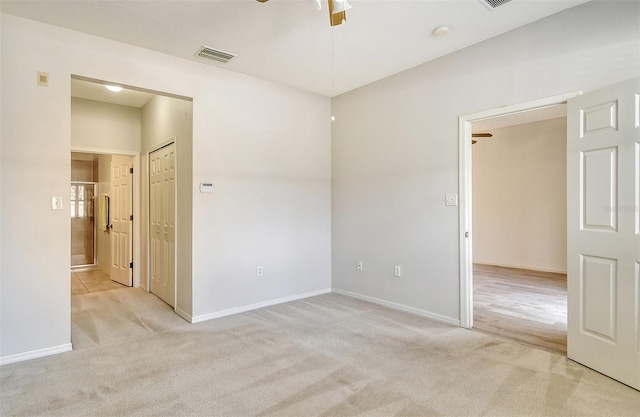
pixel 101 206
pixel 114 131
pixel 519 166
pixel 517 287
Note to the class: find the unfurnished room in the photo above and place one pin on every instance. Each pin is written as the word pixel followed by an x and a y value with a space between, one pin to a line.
pixel 320 208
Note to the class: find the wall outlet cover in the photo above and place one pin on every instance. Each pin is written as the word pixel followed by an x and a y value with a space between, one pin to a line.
pixel 451 199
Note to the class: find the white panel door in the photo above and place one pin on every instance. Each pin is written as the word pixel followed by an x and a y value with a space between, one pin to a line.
pixel 155 223
pixel 603 192
pixel 121 210
pixel 162 217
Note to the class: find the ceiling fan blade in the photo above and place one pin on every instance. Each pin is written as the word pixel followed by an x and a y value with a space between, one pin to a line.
pixel 481 135
pixel 263 1
pixel 337 18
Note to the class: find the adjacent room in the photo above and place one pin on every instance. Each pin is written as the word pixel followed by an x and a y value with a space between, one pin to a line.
pixel 121 127
pixel 519 227
pixel 90 200
pixel 275 208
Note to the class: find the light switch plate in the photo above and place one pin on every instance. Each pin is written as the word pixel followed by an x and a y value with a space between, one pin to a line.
pixel 451 199
pixel 56 202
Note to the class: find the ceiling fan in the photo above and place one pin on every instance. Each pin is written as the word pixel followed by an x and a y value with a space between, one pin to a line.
pixel 337 10
pixel 480 135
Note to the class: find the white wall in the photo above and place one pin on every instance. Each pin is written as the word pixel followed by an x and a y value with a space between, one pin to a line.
pixel 167 119
pixel 105 126
pixel 266 147
pixel 520 197
pixel 395 145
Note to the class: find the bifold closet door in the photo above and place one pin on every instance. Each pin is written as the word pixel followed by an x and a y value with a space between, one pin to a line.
pixel 162 213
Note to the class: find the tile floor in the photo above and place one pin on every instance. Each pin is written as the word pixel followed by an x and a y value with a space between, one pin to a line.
pixel 91 279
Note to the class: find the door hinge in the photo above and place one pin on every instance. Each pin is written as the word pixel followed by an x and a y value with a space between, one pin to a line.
pixel 131 217
pixel 131 265
pixel 130 170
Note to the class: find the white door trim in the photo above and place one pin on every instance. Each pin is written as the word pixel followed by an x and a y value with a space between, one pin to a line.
pixel 136 201
pixel 465 191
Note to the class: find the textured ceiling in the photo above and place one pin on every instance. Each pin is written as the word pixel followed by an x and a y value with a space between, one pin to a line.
pixel 289 41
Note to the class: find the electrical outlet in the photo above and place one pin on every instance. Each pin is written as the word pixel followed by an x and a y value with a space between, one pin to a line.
pixel 359 266
pixel 396 271
pixel 451 200
pixel 260 271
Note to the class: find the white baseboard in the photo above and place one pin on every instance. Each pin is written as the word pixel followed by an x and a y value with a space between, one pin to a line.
pixel 243 309
pixel 527 268
pixel 401 307
pixel 183 314
pixel 33 354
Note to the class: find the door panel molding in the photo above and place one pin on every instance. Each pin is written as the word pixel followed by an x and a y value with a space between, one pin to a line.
pixel 162 222
pixel 603 246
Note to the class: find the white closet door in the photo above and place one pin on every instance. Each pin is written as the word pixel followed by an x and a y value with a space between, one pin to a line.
pixel 162 202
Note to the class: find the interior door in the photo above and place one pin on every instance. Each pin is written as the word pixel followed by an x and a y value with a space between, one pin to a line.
pixel 121 213
pixel 603 238
pixel 162 201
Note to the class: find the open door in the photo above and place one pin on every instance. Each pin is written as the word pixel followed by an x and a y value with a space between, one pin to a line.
pixel 121 213
pixel 603 241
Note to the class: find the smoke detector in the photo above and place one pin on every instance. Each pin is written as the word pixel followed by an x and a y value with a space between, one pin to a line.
pixel 215 54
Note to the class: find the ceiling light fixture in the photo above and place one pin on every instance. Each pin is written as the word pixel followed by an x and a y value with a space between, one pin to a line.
pixel 114 88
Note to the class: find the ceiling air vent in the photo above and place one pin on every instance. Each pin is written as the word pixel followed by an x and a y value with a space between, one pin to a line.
pixel 215 54
pixel 492 4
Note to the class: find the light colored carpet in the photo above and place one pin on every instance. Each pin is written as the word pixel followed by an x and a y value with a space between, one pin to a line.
pixel 325 356
pixel 117 315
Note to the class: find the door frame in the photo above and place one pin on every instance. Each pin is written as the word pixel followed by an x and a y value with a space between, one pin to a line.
pixel 465 210
pixel 172 140
pixel 136 235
